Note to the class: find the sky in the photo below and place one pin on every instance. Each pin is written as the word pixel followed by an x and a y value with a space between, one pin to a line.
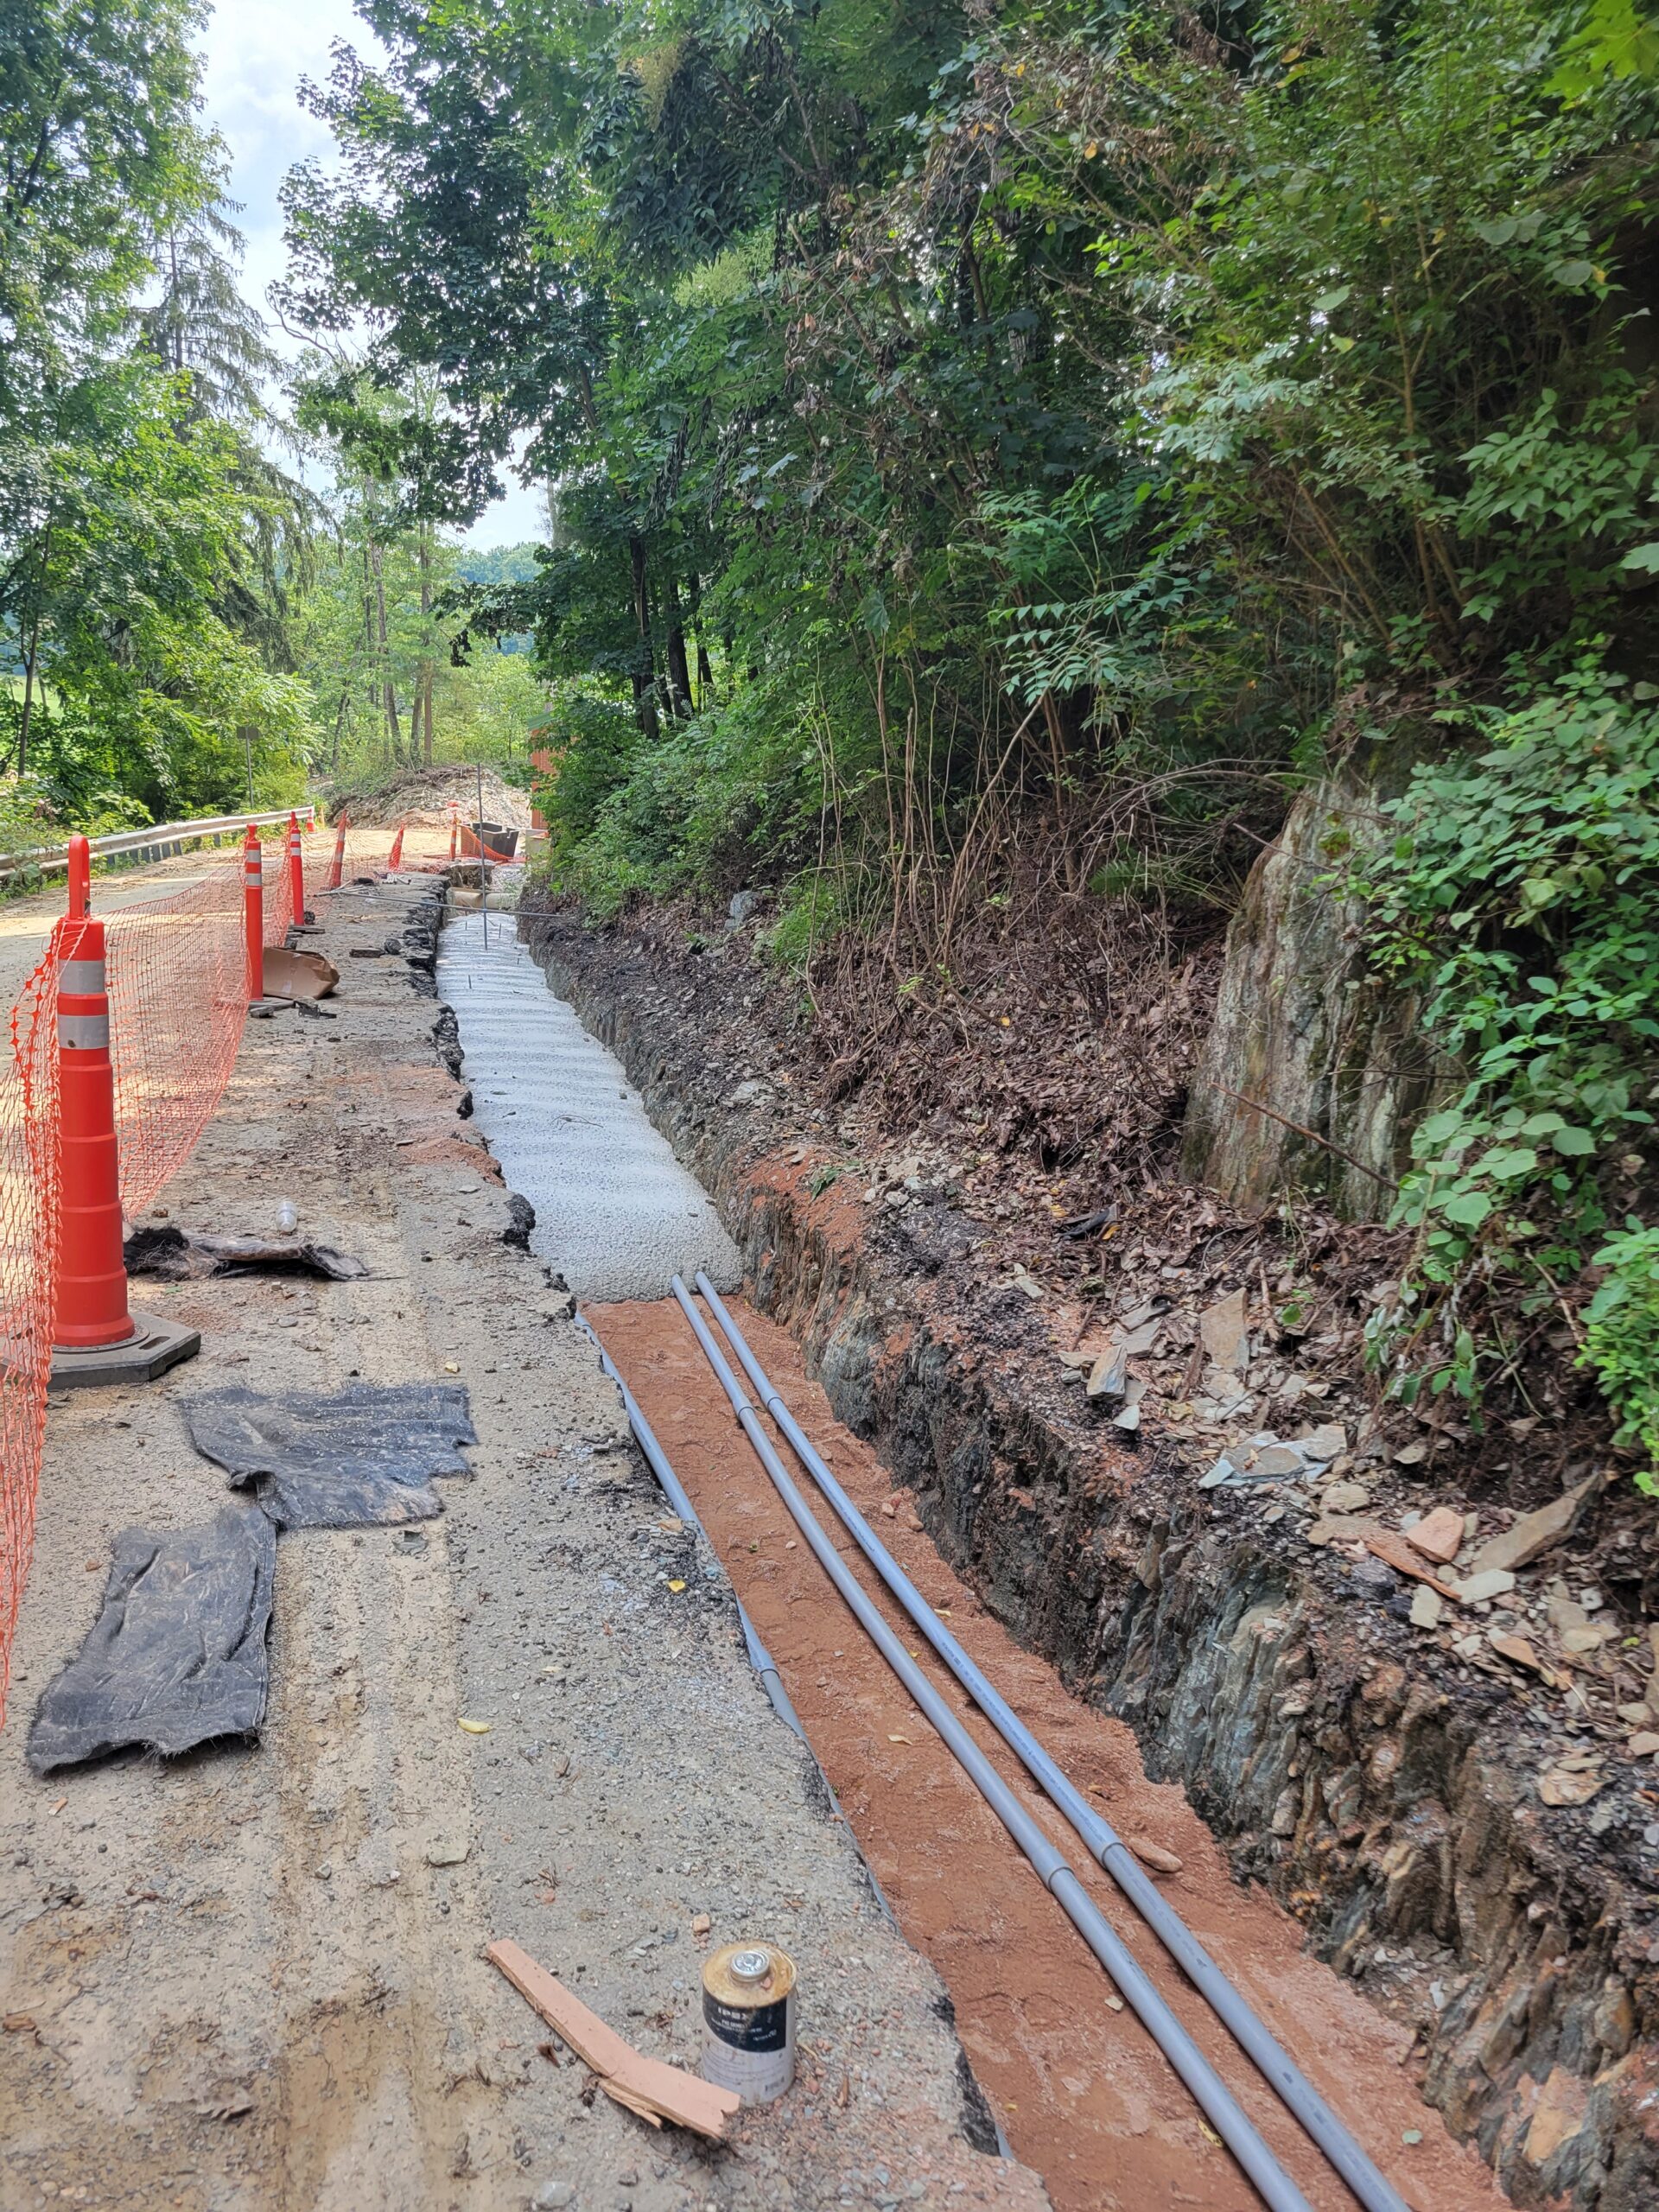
pixel 256 52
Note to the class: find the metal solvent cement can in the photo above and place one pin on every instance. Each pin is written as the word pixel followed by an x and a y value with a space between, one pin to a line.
pixel 748 2018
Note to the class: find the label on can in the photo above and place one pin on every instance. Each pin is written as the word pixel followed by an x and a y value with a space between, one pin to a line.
pixel 748 2018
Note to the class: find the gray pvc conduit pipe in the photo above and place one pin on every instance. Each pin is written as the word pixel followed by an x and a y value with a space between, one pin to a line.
pixel 1214 2099
pixel 1277 2067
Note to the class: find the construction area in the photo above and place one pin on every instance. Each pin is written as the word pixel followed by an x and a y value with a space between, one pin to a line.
pixel 503 1622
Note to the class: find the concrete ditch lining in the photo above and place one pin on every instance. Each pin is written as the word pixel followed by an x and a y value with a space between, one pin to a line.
pixel 616 1214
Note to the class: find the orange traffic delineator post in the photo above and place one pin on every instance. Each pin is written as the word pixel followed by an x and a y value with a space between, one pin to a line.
pixel 95 1337
pixel 394 860
pixel 253 913
pixel 296 871
pixel 80 878
pixel 454 830
pixel 337 865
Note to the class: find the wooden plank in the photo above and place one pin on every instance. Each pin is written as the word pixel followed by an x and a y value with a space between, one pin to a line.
pixel 646 2086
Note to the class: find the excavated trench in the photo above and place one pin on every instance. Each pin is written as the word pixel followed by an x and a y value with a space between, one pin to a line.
pixel 1083 2094
pixel 1385 1804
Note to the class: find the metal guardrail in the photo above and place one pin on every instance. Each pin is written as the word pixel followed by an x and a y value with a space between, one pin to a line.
pixel 148 844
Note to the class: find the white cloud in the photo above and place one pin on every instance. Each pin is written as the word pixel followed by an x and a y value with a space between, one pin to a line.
pixel 255 52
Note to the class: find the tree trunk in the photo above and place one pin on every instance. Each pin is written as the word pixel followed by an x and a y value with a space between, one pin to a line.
pixel 679 672
pixel 645 672
pixel 424 701
pixel 392 729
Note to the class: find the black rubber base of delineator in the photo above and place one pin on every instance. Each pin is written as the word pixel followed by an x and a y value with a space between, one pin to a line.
pixel 156 1346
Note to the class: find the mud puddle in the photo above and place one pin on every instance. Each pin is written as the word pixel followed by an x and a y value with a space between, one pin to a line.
pixel 1084 2094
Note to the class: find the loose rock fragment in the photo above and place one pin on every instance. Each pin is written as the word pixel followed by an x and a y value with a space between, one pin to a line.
pixel 1495 1582
pixel 1154 1856
pixel 1532 1533
pixel 1437 1536
pixel 1425 1608
pixel 1222 1334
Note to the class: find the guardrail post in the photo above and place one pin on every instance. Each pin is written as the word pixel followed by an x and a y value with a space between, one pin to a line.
pixel 95 1338
pixel 253 913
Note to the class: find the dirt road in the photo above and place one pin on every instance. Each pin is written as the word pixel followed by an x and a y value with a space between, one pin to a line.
pixel 251 1978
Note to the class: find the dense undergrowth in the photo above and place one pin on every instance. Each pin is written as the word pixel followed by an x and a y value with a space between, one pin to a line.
pixel 1000 455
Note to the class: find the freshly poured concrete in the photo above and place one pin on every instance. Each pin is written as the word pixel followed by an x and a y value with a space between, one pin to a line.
pixel 615 1212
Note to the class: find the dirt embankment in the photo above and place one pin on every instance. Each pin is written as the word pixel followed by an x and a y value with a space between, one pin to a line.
pixel 1467 1835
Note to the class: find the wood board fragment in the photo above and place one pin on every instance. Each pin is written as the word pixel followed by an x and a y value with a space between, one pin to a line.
pixel 646 2086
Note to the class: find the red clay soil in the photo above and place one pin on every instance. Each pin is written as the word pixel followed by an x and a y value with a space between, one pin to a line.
pixel 1082 2093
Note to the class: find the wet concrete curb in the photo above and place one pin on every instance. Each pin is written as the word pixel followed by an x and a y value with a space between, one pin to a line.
pixel 1392 1811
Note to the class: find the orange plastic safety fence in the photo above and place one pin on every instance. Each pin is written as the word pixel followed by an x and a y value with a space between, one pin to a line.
pixel 29 1229
pixel 279 903
pixel 177 970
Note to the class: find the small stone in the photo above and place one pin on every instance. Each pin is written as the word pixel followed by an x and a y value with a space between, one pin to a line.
pixel 1109 1375
pixel 1325 1441
pixel 1582 1641
pixel 446 1851
pixel 1517 1647
pixel 1437 1536
pixel 1410 1455
pixel 1495 1582
pixel 553 2196
pixel 1154 1856
pixel 1643 1745
pixel 1562 1786
pixel 1532 1533
pixel 1222 1334
pixel 1345 1497
pixel 1426 1608
pixel 1275 1461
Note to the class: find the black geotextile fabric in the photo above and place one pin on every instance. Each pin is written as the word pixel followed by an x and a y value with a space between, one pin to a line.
pixel 177 1657
pixel 348 1458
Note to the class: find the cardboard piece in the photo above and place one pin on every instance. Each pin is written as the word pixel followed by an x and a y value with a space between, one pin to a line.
pixel 646 2085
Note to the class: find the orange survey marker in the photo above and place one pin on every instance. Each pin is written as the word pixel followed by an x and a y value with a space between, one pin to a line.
pixel 646 2085
pixel 80 877
pixel 395 858
pixel 454 830
pixel 338 861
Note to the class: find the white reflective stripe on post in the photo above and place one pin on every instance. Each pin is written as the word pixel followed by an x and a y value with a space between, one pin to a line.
pixel 84 1033
pixel 81 978
pixel 255 874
